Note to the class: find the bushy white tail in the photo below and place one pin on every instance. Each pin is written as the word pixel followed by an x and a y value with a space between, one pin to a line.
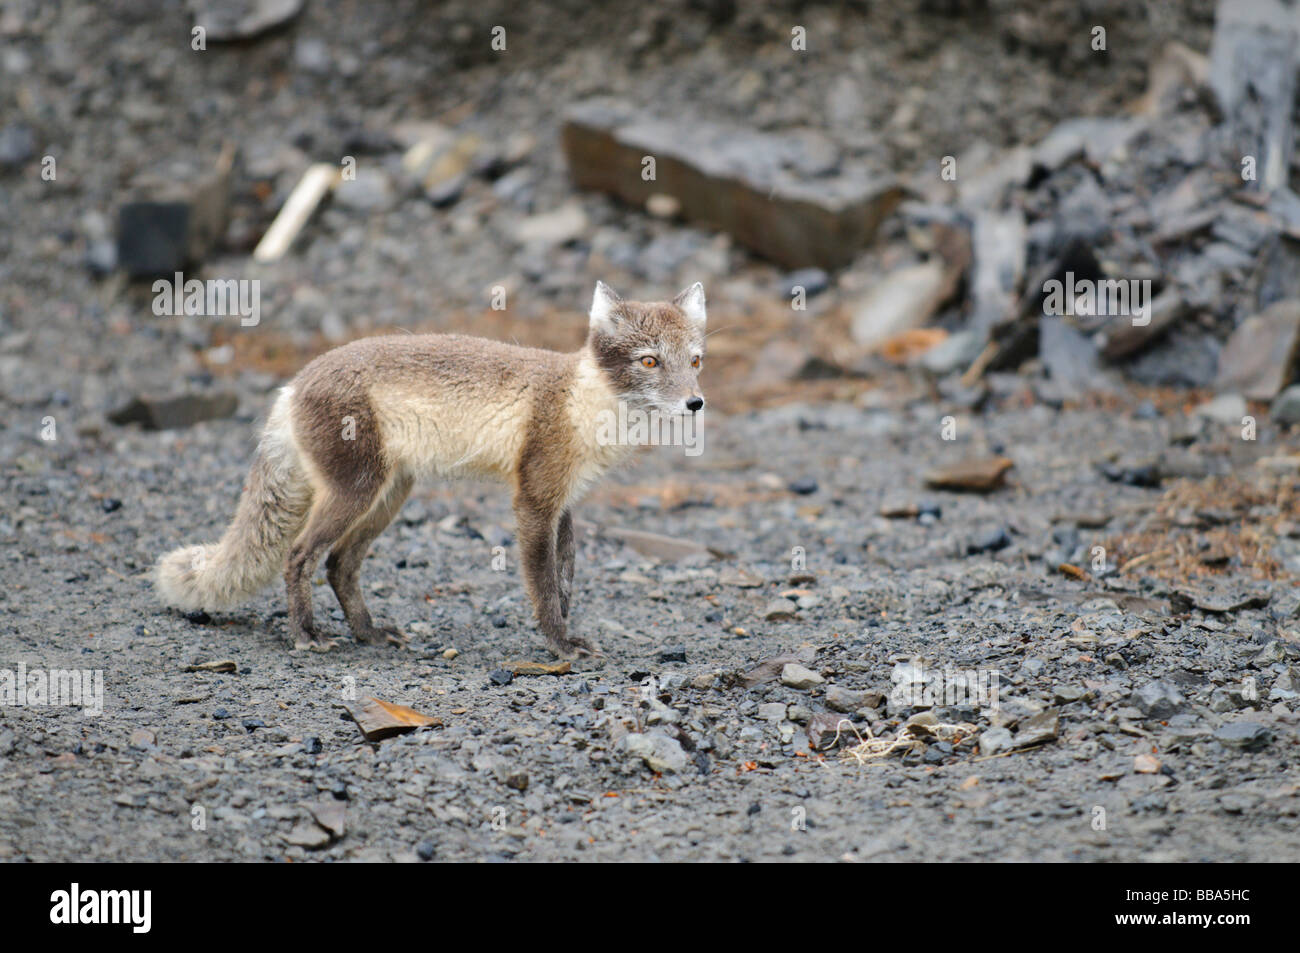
pixel 251 553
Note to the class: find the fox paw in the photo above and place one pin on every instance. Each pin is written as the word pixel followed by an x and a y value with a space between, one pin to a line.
pixel 377 634
pixel 570 647
pixel 311 640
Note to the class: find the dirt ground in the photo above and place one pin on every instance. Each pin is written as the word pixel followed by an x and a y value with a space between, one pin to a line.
pixel 1147 697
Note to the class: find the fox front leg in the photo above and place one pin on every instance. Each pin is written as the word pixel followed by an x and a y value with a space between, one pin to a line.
pixel 538 532
pixel 564 556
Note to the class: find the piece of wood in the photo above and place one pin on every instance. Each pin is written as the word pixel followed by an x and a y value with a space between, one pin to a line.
pixel 316 182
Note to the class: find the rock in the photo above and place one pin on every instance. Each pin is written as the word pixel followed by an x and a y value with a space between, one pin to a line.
pixel 1259 360
pixel 995 740
pixel 501 676
pixel 804 486
pixel 1123 339
pixel 813 281
pixel 795 675
pixel 839 698
pixel 17 144
pixel 673 653
pixel 518 669
pixel 426 850
pixel 655 546
pixel 312 55
pixel 660 753
pixel 1216 600
pixel 330 815
pixel 380 719
pixel 953 353
pixel 550 229
pixel 1038 729
pixel 235 20
pixel 769 670
pixel 1226 409
pixel 1158 700
pixel 1287 685
pixel 1286 408
pixel 823 728
pixel 1146 764
pixel 663 206
pixel 1257 103
pixel 976 475
pixel 369 191
pixel 998 244
pixel 169 413
pixel 1243 735
pixel 170 221
pixel 988 540
pixel 308 834
pixel 740 577
pixel 900 301
pixel 1148 475
pixel 782 195
pixel 772 711
pixel 780 610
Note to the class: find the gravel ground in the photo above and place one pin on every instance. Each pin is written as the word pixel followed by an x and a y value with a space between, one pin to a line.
pixel 1129 724
pixel 533 770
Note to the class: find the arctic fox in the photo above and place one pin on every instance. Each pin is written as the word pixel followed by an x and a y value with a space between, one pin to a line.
pixel 352 432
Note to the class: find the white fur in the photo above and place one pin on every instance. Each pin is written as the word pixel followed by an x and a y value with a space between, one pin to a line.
pixel 691 301
pixel 425 437
pixel 603 303
pixel 251 552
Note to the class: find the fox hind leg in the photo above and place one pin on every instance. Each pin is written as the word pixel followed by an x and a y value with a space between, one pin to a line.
pixel 331 516
pixel 343 565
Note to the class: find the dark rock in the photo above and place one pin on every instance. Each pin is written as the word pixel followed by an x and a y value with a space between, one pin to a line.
pixel 1158 700
pixel 674 653
pixel 1244 735
pixel 168 413
pixel 17 144
pixel 988 541
pixel 501 676
pixel 774 193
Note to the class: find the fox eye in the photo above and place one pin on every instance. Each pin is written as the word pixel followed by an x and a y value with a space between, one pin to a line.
pixel 649 361
pixel 695 361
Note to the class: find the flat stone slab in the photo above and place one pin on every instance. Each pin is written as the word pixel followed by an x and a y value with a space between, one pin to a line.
pixel 788 196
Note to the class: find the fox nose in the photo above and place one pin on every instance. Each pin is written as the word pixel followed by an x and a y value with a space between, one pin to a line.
pixel 694 403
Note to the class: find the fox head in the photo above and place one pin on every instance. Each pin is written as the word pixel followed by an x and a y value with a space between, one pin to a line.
pixel 651 352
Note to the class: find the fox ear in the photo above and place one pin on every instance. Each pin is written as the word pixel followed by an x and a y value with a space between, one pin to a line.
pixel 603 303
pixel 691 301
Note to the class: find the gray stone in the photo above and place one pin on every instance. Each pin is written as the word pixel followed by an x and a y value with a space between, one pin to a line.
pixel 995 740
pixel 1244 735
pixel 783 195
pixel 659 752
pixel 1286 407
pixel 1158 700
pixel 796 676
